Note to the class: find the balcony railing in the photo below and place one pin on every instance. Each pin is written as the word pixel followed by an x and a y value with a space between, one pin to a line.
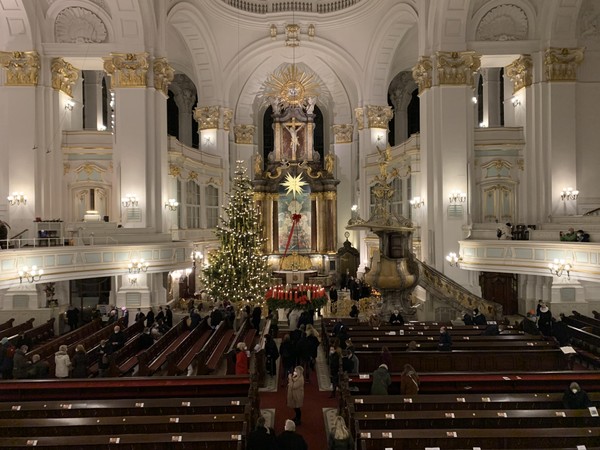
pixel 275 6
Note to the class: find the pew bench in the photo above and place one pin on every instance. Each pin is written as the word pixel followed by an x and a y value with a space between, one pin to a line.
pixel 13 331
pixel 38 334
pixel 223 440
pixel 6 325
pixel 211 355
pixel 182 357
pixel 153 358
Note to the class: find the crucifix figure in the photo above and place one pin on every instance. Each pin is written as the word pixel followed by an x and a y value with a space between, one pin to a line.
pixel 293 128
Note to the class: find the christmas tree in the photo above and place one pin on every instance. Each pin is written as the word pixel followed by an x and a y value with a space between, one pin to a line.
pixel 238 270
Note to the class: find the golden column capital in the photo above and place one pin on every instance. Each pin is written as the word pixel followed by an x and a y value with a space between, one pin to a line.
pixel 520 72
pixel 22 68
pixel 422 73
pixel 359 115
pixel 244 134
pixel 207 117
pixel 379 116
pixel 127 69
pixel 457 68
pixel 64 76
pixel 163 75
pixel 560 64
pixel 343 133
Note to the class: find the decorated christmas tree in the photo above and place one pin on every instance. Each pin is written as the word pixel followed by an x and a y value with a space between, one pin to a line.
pixel 238 270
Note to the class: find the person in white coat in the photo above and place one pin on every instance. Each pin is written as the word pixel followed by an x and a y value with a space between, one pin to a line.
pixel 62 362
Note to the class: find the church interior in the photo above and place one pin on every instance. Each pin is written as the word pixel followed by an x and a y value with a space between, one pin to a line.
pixel 441 152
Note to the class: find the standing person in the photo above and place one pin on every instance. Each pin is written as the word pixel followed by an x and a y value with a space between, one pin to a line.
pixel 445 341
pixel 340 437
pixel 295 393
pixel 21 363
pixel 241 359
pixel 39 370
pixel 272 355
pixel 576 398
pixel 103 353
pixel 79 362
pixel 168 316
pixel 288 356
pixel 262 437
pixel 289 439
pixel 335 364
pixel 160 316
pixel 333 298
pixel 72 317
pixel 125 316
pixel 140 315
pixel 150 318
pixel 381 381
pixel 62 362
pixel 117 339
pixel 545 321
pixel 409 381
pixel 256 317
pixel 7 354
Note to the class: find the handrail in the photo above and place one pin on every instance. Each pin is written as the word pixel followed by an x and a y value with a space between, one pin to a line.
pixel 56 242
pixel 454 293
pixel 593 212
pixel 16 236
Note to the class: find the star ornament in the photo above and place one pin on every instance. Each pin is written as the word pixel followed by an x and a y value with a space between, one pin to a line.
pixel 294 184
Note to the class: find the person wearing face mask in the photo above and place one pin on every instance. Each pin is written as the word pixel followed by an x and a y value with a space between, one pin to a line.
pixel 295 393
pixel 576 398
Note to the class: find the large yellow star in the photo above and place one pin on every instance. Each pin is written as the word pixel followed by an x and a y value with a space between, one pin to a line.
pixel 293 184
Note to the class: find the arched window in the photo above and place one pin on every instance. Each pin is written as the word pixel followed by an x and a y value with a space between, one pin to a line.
pixel 193 204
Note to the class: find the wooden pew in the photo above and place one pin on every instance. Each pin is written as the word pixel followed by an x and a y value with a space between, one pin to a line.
pixel 430 345
pixel 180 359
pixel 38 334
pixel 245 334
pixel 47 350
pixel 540 438
pixel 152 359
pixel 587 346
pixel 260 358
pixel 469 360
pixel 212 353
pixel 13 331
pixel 6 325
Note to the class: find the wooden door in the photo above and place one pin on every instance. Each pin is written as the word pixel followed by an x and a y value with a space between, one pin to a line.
pixel 500 288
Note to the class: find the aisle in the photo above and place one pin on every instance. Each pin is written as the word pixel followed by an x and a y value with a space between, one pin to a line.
pixel 317 408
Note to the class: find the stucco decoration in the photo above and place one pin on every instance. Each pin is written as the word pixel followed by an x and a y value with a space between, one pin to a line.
pixel 503 23
pixel 244 134
pixel 163 75
pixel 561 64
pixel 76 25
pixel 422 73
pixel 520 72
pixel 457 67
pixel 379 116
pixel 64 76
pixel 22 68
pixel 359 114
pixel 343 133
pixel 207 117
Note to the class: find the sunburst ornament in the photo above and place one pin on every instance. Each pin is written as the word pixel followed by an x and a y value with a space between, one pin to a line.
pixel 294 184
pixel 292 85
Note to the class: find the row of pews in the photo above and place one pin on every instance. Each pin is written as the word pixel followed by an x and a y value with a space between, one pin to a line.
pixel 584 334
pixel 132 413
pixel 466 399
pixel 35 335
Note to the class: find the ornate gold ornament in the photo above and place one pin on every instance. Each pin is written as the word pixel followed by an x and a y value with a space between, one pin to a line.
pixel 561 64
pixel 127 69
pixel 296 262
pixel 520 72
pixel 379 116
pixel 22 68
pixel 294 184
pixel 457 67
pixel 292 33
pixel 329 163
pixel 207 117
pixel 244 134
pixel 174 171
pixel 64 76
pixel 163 75
pixel 422 73
pixel 359 115
pixel 291 86
pixel 192 175
pixel 66 168
pixel 309 170
pixel 227 118
pixel 343 133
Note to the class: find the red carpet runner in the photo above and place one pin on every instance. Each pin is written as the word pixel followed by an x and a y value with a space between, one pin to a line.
pixel 313 422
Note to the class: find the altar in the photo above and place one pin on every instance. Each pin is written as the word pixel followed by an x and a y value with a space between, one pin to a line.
pixel 294 276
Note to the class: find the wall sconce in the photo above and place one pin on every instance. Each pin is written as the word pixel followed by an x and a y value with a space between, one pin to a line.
pixel 172 204
pixel 16 199
pixel 474 100
pixel 515 101
pixel 456 197
pixel 129 201
pixel 176 275
pixel 417 202
pixel 197 256
pixel 31 275
pixel 569 193
pixel 559 266
pixel 453 259
pixel 136 266
pixel 69 104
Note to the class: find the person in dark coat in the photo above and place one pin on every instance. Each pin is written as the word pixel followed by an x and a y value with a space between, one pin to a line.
pixel 125 316
pixel 79 363
pixel 333 298
pixel 467 318
pixel 104 351
pixel 396 318
pixel 117 339
pixel 288 356
pixel 445 341
pixel 289 439
pixel 168 316
pixel 545 321
pixel 271 354
pixel 7 354
pixel 335 365
pixel 354 311
pixel 38 370
pixel 256 317
pixel 21 363
pixel 160 316
pixel 576 398
pixel 140 315
pixel 150 318
pixel 381 381
pixel 146 339
pixel 216 316
pixel 72 317
pixel 478 318
pixel 262 437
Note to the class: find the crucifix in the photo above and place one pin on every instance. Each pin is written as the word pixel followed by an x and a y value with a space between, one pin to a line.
pixel 293 128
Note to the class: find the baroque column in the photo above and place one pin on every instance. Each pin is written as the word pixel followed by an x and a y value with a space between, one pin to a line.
pixel 341 168
pixel 18 147
pixel 214 125
pixel 185 98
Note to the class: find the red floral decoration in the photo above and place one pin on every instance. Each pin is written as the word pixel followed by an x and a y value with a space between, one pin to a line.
pixel 302 296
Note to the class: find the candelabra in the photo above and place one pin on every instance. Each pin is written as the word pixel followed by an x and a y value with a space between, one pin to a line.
pixel 453 259
pixel 560 266
pixel 16 199
pixel 456 197
pixel 417 202
pixel 31 275
pixel 569 193
pixel 129 201
pixel 171 204
pixel 136 266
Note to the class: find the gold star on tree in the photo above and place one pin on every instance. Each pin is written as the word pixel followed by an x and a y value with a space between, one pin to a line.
pixel 294 184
